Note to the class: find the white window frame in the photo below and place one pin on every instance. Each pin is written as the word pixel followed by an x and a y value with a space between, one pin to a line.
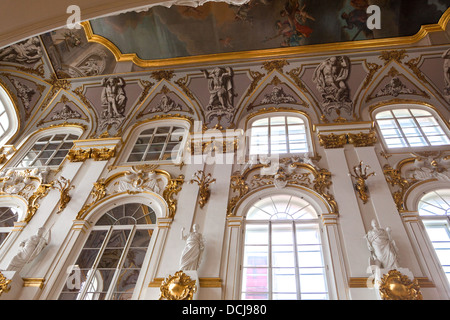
pixel 441 221
pixel 31 140
pixel 307 134
pixel 12 114
pixel 436 117
pixel 294 223
pixel 136 133
pixel 92 276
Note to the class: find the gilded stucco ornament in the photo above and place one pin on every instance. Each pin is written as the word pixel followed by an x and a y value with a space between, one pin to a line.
pixel 178 287
pixel 139 179
pixel 63 185
pixel 204 182
pixel 5 284
pixel 287 172
pixel 333 141
pixel 98 154
pixel 362 139
pixel 396 286
pixel 360 175
pixel 29 184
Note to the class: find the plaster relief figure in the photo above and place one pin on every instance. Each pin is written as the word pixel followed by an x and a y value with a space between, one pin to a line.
pixel 446 57
pixel 29 250
pixel 383 250
pixel 277 96
pixel 28 51
pixel 113 101
pixel 330 78
pixel 66 113
pixel 220 86
pixel 166 104
pixel 191 257
pixel 394 88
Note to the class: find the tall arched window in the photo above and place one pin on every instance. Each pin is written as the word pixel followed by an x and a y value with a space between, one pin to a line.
pixel 410 128
pixel 48 150
pixel 111 259
pixel 278 134
pixel 434 210
pixel 9 122
pixel 282 256
pixel 8 215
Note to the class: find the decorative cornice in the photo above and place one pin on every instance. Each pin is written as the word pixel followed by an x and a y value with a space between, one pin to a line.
pixel 81 155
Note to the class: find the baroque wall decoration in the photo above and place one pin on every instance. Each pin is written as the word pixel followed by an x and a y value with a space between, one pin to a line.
pixel 178 287
pixel 360 175
pixel 289 172
pixel 203 181
pixel 140 178
pixel 331 78
pixel 396 286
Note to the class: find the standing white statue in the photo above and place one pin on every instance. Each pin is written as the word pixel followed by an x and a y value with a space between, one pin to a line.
pixel 191 256
pixel 383 250
pixel 29 250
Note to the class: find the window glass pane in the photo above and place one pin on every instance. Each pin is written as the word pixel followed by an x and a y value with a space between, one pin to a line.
pixel 277 121
pixel 384 115
pixel 419 113
pixel 401 113
pixel 282 256
pixel 112 257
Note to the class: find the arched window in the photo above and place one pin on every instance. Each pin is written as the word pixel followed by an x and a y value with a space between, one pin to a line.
pixel 48 150
pixel 8 215
pixel 282 256
pixel 434 210
pixel 9 122
pixel 111 259
pixel 410 128
pixel 159 143
pixel 278 134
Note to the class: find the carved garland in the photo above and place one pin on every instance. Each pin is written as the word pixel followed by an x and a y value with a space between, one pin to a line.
pixel 80 155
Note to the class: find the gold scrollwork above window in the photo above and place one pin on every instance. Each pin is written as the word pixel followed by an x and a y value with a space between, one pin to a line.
pixel 139 179
pixel 290 172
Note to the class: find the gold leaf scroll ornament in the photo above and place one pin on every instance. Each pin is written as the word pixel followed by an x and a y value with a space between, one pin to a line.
pixel 178 287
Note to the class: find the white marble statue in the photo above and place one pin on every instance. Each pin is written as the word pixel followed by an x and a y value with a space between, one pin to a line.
pixel 191 256
pixel 29 250
pixel 383 250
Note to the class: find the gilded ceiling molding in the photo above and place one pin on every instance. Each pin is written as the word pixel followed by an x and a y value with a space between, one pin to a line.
pixel 139 179
pixel 396 286
pixel 361 139
pixel 270 53
pixel 293 171
pixel 37 70
pixel 373 69
pixel 147 86
pixel 256 77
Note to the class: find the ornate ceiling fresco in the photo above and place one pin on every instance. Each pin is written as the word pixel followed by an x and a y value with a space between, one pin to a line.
pixel 120 70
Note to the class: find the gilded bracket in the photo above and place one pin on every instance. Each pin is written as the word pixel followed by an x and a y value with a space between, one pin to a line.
pixel 203 181
pixel 178 287
pixel 396 286
pixel 361 175
pixel 4 284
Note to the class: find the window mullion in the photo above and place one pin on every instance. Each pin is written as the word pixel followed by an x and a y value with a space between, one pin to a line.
pixel 120 264
pixel 297 272
pixel 88 281
pixel 270 262
pixel 400 129
pixel 419 127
